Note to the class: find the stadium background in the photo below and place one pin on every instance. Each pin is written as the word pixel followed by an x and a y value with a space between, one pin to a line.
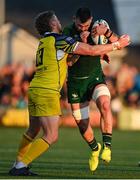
pixel 18 42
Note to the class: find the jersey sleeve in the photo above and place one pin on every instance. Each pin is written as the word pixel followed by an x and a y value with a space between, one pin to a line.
pixel 66 43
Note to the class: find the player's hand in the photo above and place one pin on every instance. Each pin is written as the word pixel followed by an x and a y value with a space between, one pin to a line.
pixel 124 40
pixel 100 29
pixel 105 57
pixel 84 35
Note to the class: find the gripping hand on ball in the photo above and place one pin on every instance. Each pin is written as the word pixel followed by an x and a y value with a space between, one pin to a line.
pixel 100 29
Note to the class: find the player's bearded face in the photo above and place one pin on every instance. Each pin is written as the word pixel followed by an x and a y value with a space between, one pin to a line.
pixel 82 26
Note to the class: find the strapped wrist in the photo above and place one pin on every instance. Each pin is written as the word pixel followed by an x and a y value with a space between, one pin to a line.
pixel 108 33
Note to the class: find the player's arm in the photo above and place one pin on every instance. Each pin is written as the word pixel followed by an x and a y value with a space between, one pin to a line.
pixel 85 49
pixel 111 36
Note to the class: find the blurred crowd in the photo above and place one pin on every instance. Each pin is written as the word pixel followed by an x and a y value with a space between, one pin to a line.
pixel 14 82
pixel 124 86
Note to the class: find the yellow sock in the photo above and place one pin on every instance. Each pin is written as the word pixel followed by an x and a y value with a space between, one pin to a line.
pixel 37 148
pixel 24 146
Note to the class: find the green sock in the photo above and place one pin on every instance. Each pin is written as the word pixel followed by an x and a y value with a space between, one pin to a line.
pixel 93 145
pixel 107 138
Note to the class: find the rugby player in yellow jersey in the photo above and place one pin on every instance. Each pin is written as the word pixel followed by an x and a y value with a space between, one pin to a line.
pixel 44 89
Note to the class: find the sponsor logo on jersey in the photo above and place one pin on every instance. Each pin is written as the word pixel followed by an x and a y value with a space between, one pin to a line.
pixel 97 78
pixel 74 96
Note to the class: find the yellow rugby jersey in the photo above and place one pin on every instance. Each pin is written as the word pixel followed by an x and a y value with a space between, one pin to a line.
pixel 51 67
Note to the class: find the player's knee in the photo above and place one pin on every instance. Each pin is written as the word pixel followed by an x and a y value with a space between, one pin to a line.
pixel 81 114
pixel 105 106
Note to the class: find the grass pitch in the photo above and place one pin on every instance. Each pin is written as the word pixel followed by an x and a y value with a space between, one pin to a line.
pixel 68 158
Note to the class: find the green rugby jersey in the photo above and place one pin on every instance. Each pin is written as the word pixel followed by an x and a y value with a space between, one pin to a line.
pixel 86 65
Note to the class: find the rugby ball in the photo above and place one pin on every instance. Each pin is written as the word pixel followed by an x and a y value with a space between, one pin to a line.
pixel 100 39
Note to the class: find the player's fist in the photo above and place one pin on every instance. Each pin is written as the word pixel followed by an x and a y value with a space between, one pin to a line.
pixel 84 35
pixel 126 36
pixel 99 29
pixel 124 40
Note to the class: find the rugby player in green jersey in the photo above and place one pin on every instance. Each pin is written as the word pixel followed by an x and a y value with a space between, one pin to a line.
pixel 45 87
pixel 86 81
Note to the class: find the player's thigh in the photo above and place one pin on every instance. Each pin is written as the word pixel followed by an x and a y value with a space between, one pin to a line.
pixel 77 90
pixel 48 106
pixel 44 104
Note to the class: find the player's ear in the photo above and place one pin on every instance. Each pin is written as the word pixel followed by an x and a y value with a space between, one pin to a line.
pixel 91 19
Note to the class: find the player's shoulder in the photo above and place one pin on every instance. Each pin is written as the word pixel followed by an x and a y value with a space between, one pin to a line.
pixel 61 37
pixel 57 36
pixel 67 39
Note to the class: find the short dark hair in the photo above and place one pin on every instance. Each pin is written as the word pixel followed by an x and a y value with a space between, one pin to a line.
pixel 42 22
pixel 83 13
